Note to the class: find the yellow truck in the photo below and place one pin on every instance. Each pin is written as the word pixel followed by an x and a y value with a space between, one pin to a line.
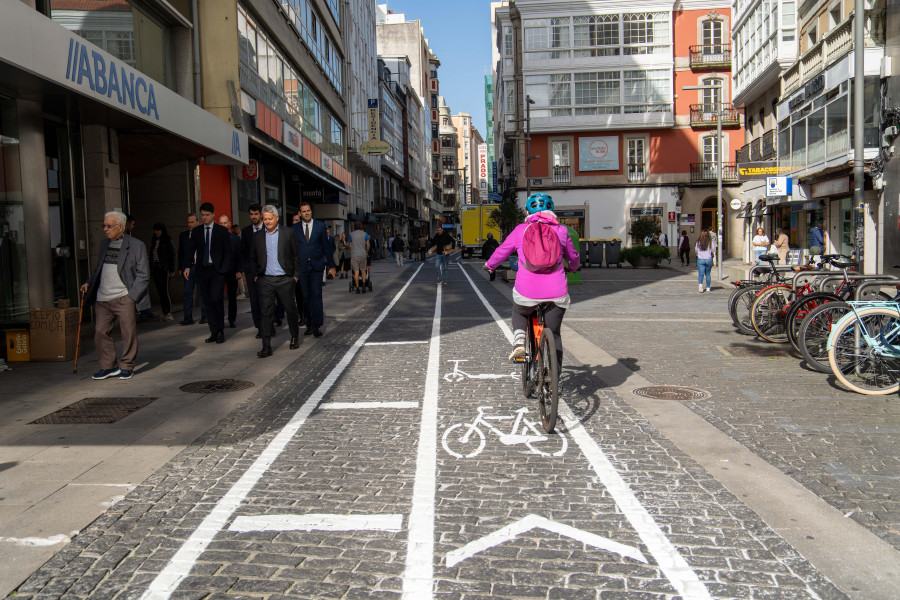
pixel 475 227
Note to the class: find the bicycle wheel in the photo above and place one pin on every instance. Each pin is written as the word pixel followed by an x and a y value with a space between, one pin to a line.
pixel 529 368
pixel 813 335
pixel 548 381
pixel 740 309
pixel 798 310
pixel 768 311
pixel 868 366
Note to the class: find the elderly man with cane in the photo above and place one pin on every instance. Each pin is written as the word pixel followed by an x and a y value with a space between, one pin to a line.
pixel 117 287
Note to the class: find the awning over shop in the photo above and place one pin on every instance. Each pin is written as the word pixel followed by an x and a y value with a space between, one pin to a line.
pixel 39 59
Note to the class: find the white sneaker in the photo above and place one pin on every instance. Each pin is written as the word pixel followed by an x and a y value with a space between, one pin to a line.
pixel 707 289
pixel 167 317
pixel 701 288
pixel 518 353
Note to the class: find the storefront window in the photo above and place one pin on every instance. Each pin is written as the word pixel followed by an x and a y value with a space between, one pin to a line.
pixel 798 144
pixel 836 127
pixel 13 274
pixel 815 135
pixel 126 30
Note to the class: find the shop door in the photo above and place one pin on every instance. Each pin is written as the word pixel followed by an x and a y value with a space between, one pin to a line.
pixel 709 220
pixel 845 227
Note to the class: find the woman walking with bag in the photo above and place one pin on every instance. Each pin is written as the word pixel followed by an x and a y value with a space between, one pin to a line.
pixel 344 254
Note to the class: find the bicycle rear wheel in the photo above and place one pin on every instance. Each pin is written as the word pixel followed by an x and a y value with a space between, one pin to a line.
pixel 798 310
pixel 868 367
pixel 529 365
pixel 813 335
pixel 548 381
pixel 740 308
pixel 768 310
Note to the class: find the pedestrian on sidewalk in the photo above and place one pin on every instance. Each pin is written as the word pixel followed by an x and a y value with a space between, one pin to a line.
pixel 423 246
pixel 162 266
pixel 816 240
pixel 331 249
pixel 684 249
pixel 231 284
pixel 118 288
pixel 212 243
pixel 487 249
pixel 315 255
pixel 359 251
pixel 185 263
pixel 782 245
pixel 247 266
pixel 397 248
pixel 344 254
pixel 706 249
pixel 390 246
pixel 275 256
pixel 760 243
pixel 664 242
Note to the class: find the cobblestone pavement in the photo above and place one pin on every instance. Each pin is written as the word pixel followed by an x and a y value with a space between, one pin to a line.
pixel 841 445
pixel 350 475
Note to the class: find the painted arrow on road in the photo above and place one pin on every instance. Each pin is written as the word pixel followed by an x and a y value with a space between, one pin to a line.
pixel 536 522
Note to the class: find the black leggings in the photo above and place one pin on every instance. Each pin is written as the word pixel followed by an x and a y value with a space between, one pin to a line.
pixel 553 317
pixel 685 255
pixel 161 281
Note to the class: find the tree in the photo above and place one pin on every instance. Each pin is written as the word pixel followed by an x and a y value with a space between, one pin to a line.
pixel 507 216
pixel 642 228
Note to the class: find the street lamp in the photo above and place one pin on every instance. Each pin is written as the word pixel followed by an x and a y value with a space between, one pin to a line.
pixel 719 208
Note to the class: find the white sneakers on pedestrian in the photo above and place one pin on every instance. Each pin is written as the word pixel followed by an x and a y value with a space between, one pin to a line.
pixel 701 288
pixel 707 289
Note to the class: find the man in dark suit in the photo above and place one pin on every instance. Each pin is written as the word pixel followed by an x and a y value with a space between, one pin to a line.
pixel 315 254
pixel 247 266
pixel 275 255
pixel 212 242
pixel 231 283
pixel 187 262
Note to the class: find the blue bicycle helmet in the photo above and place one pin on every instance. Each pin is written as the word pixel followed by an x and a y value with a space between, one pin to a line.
pixel 537 202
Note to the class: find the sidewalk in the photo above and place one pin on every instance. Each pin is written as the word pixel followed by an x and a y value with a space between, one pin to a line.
pixel 55 479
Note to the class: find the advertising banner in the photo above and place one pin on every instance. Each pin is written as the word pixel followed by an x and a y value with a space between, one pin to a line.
pixel 482 170
pixel 598 153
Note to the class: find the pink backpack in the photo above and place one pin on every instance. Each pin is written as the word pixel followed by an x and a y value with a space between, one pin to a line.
pixel 540 248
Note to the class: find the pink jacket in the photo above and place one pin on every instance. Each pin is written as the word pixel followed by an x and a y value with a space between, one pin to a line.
pixel 535 285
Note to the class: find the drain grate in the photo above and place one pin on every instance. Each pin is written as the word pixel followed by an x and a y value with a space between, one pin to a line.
pixel 671 392
pixel 94 410
pixel 216 386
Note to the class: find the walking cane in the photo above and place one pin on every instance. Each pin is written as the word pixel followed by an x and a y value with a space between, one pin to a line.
pixel 78 336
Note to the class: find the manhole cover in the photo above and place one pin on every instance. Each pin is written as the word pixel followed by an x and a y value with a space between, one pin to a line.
pixel 94 410
pixel 671 392
pixel 216 386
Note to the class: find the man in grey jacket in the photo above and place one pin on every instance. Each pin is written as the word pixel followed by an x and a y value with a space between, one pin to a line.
pixel 119 286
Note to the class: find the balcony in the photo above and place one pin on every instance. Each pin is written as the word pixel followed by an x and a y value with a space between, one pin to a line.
pixel 636 172
pixel 561 174
pixel 705 172
pixel 762 148
pixel 413 213
pixel 389 205
pixel 704 116
pixel 711 57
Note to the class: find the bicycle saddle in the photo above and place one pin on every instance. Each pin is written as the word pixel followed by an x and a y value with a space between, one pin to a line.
pixel 769 257
pixel 840 264
pixel 763 269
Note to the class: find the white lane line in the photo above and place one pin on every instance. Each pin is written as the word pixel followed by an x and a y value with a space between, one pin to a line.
pixel 394 343
pixel 318 522
pixel 418 576
pixel 530 522
pixel 180 565
pixel 670 561
pixel 361 405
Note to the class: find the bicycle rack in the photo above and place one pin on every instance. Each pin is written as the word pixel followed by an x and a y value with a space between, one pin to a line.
pixel 881 282
pixel 802 275
pixel 868 278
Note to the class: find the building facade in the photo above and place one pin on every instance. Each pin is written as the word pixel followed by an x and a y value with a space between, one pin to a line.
pixel 467 156
pixel 591 108
pixel 99 111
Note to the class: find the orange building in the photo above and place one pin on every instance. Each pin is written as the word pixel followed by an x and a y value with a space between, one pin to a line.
pixel 612 134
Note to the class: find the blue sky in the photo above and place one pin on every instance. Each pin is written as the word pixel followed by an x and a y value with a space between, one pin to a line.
pixel 459 33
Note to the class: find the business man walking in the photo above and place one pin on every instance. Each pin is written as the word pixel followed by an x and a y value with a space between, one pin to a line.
pixel 212 242
pixel 275 255
pixel 315 254
pixel 247 265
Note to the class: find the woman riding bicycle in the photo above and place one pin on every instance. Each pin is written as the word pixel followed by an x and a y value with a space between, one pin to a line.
pixel 532 288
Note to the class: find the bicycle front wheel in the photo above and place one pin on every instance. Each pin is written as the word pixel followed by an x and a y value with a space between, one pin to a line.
pixel 548 381
pixel 739 309
pixel 864 353
pixel 813 337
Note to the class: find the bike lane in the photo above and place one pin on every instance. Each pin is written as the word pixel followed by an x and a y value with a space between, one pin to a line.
pixel 363 493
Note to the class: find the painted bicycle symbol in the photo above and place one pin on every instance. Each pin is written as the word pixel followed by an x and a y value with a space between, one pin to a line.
pixel 457 374
pixel 465 440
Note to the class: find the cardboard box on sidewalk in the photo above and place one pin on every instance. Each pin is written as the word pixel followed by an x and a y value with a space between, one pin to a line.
pixel 53 332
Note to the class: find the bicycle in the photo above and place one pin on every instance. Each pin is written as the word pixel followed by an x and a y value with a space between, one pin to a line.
pixel 540 369
pixel 523 431
pixel 864 348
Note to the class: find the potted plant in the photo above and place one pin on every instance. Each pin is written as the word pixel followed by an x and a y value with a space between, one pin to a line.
pixel 641 229
pixel 645 257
